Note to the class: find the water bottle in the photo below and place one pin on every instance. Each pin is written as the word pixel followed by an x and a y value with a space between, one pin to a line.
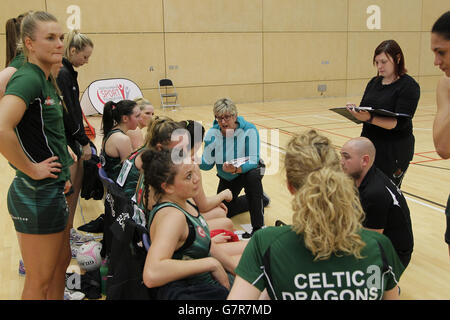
pixel 104 274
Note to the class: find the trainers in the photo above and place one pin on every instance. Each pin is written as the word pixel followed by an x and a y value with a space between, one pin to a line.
pixel 95 226
pixel 73 295
pixel 21 268
pixel 266 199
pixel 246 235
pixel 79 238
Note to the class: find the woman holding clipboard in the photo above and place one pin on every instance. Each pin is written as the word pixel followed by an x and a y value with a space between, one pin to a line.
pixel 392 90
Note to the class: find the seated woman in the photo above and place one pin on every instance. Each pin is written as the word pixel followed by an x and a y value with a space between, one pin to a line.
pixel 118 118
pixel 325 253
pixel 181 260
pixel 147 112
pixel 158 135
pixel 212 207
pixel 166 133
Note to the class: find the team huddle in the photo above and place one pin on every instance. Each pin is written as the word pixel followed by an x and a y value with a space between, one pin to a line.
pixel 351 235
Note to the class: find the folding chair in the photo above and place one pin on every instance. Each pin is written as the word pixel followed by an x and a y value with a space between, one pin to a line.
pixel 168 94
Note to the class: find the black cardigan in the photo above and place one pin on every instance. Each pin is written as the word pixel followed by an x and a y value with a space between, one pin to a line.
pixel 73 118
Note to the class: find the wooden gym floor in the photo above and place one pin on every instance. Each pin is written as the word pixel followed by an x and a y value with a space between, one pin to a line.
pixel 426 185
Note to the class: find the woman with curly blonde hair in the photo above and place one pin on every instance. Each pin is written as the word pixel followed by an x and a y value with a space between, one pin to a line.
pixel 325 254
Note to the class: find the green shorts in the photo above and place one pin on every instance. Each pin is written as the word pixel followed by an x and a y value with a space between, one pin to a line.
pixel 37 208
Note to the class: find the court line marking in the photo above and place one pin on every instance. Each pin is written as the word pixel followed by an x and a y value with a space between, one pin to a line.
pixel 276 148
pixel 294 124
pixel 273 147
pixel 307 126
pixel 425 204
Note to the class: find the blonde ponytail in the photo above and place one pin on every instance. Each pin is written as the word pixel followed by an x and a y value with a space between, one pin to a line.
pixel 77 40
pixel 327 210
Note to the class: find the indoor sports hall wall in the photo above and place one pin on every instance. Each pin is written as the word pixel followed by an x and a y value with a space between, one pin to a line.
pixel 249 50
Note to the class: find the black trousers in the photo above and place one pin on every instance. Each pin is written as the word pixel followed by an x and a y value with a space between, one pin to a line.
pixel 393 157
pixel 404 258
pixel 252 201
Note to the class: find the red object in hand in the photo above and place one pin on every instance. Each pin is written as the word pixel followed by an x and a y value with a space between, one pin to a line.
pixel 233 236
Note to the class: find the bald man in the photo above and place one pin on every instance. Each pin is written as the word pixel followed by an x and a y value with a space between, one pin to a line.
pixel 385 206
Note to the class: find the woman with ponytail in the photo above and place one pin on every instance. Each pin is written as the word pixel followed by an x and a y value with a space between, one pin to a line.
pixel 117 119
pixel 14 55
pixel 78 49
pixel 182 262
pixel 34 142
pixel 159 135
pixel 325 253
pixel 166 133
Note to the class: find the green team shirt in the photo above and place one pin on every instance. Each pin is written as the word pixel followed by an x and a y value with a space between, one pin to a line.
pixel 41 130
pixel 18 61
pixel 289 272
pixel 112 165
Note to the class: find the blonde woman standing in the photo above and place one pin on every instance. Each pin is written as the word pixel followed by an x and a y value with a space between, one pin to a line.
pixel 325 253
pixel 33 141
pixel 78 49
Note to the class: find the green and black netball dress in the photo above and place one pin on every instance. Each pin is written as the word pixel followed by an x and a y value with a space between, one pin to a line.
pixel 112 165
pixel 196 245
pixel 129 174
pixel 39 206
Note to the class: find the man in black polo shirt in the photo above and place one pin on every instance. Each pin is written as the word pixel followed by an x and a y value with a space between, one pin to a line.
pixel 385 206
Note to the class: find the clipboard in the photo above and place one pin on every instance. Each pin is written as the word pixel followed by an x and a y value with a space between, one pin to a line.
pixel 239 161
pixel 380 112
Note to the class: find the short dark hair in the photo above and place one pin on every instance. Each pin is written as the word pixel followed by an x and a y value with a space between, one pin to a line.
pixel 392 48
pixel 442 26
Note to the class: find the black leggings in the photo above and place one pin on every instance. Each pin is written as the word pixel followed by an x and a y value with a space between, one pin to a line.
pixel 252 201
pixel 393 157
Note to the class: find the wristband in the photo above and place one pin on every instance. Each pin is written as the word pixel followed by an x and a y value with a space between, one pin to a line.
pixel 371 118
pixel 235 170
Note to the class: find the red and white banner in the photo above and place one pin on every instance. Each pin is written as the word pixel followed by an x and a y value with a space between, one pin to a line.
pixel 101 91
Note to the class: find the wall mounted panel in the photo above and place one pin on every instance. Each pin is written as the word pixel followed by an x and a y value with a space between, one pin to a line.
pixel 305 15
pixel 299 90
pixel 212 15
pixel 124 60
pixel 112 16
pixel 394 15
pixel 194 96
pixel 200 59
pixel 431 11
pixel 304 56
pixel 12 8
pixel 361 47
